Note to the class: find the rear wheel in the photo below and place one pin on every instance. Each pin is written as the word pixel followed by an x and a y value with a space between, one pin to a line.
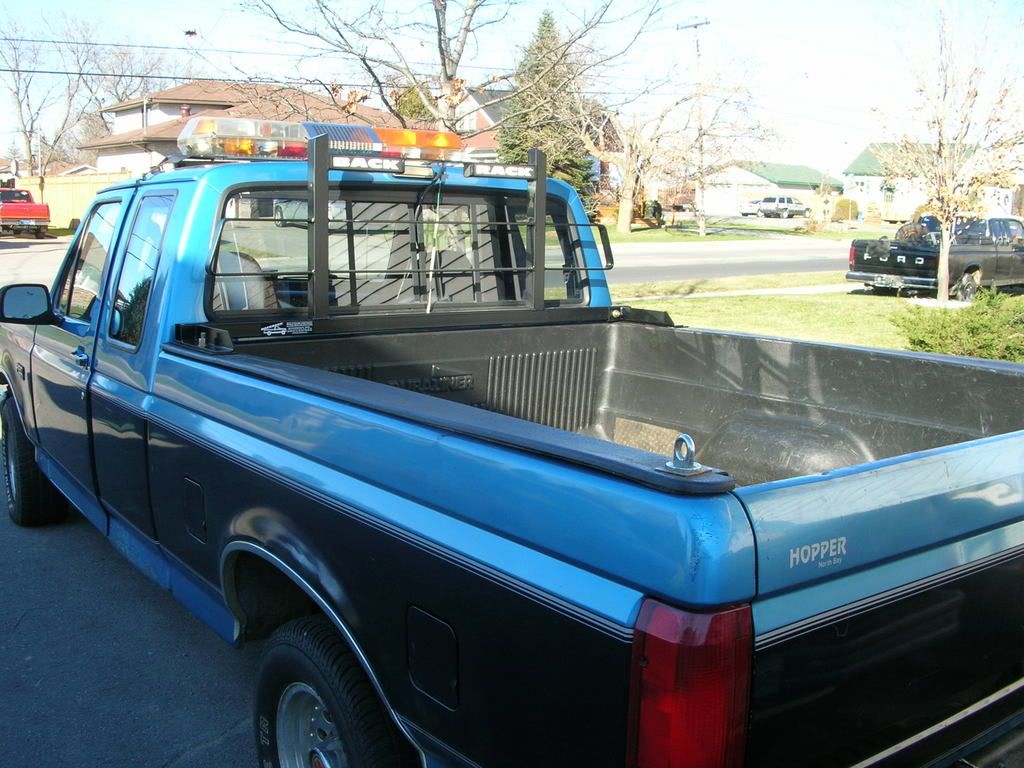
pixel 315 707
pixel 967 286
pixel 31 498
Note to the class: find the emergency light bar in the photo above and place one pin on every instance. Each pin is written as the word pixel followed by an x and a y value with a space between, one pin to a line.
pixel 223 138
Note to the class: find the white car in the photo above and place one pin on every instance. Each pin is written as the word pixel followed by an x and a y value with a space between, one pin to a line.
pixel 750 208
pixel 783 207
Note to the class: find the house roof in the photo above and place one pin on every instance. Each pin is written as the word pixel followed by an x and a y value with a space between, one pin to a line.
pixel 267 102
pixel 494 112
pixel 792 175
pixel 869 162
pixel 203 93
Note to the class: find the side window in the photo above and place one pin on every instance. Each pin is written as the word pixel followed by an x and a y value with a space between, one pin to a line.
pixel 1016 230
pixel 78 298
pixel 140 259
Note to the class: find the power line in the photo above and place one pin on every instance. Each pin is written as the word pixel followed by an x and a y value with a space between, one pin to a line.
pixel 189 78
pixel 318 52
pixel 369 87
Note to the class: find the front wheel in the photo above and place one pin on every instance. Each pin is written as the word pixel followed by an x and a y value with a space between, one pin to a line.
pixel 31 498
pixel 315 707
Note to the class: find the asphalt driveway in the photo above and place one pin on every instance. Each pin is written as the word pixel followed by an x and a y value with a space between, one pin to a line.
pixel 100 667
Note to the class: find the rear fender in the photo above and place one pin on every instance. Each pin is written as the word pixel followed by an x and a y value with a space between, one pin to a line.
pixel 228 558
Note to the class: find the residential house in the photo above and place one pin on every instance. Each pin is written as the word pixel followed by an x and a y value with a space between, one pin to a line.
pixel 745 181
pixel 896 199
pixel 145 130
pixel 477 113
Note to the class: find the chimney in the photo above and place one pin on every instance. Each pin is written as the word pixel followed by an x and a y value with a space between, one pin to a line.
pixel 186 110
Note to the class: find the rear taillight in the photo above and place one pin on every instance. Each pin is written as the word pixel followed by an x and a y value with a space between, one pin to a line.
pixel 691 687
pixel 853 256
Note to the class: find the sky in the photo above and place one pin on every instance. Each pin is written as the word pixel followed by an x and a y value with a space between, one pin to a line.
pixel 824 78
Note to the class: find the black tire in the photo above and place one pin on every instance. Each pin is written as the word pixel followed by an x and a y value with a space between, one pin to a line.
pixel 308 654
pixel 967 286
pixel 31 498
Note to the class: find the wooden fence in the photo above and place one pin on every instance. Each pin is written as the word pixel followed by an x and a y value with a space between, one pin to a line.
pixel 68 196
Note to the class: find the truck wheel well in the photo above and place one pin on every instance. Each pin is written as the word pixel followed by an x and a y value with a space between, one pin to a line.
pixel 262 597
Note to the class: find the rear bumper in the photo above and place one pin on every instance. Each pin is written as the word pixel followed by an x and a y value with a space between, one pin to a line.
pixel 893 281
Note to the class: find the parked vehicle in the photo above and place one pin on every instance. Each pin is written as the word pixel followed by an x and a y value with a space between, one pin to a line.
pixel 782 207
pixel 19 213
pixel 751 208
pixel 983 252
pixel 472 502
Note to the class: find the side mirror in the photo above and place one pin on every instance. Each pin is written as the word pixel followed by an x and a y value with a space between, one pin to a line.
pixel 25 304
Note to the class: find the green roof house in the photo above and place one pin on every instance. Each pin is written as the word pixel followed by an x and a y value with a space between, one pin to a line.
pixel 893 199
pixel 746 181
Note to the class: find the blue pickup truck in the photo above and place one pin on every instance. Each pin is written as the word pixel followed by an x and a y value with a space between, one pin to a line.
pixel 374 407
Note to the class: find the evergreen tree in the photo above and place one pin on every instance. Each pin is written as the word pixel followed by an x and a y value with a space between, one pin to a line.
pixel 533 120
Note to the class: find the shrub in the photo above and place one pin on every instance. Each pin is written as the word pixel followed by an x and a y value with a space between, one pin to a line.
pixel 992 327
pixel 846 210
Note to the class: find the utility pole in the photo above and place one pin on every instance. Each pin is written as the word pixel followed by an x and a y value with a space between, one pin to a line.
pixel 698 197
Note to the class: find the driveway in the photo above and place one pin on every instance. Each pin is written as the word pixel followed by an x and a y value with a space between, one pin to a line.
pixel 100 667
pixel 27 260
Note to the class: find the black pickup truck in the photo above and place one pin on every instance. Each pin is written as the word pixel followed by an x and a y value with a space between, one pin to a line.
pixel 984 252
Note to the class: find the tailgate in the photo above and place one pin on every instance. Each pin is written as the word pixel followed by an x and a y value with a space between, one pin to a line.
pixel 890 612
pixel 895 257
pixel 25 212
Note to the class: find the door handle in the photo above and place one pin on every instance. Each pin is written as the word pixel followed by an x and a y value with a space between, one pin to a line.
pixel 81 357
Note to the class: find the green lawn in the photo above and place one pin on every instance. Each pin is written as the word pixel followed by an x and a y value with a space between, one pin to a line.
pixel 687 233
pixel 673 235
pixel 739 283
pixel 842 318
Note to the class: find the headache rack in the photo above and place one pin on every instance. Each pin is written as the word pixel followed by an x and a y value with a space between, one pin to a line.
pixel 523 274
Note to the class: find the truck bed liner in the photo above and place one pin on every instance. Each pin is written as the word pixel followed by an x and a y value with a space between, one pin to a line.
pixel 761 409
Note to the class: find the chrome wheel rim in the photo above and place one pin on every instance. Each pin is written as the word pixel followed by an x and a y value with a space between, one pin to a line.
pixel 307 735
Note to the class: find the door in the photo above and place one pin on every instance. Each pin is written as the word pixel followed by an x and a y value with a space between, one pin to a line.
pixel 62 355
pixel 1015 249
pixel 127 339
pixel 1003 252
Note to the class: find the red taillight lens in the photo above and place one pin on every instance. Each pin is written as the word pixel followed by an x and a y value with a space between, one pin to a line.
pixel 691 687
pixel 853 256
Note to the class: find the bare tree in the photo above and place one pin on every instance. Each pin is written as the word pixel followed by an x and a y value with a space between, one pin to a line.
pixel 379 40
pixel 46 107
pixel 965 133
pixel 722 130
pixel 635 145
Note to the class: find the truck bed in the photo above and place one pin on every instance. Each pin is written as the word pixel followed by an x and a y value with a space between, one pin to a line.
pixel 759 409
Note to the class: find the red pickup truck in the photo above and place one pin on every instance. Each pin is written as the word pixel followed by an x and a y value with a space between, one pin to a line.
pixel 20 213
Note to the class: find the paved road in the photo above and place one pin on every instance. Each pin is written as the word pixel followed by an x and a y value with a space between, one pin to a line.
pixel 646 262
pixel 100 667
pixel 28 260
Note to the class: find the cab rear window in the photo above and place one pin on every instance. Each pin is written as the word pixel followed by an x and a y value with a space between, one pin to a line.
pixel 389 248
